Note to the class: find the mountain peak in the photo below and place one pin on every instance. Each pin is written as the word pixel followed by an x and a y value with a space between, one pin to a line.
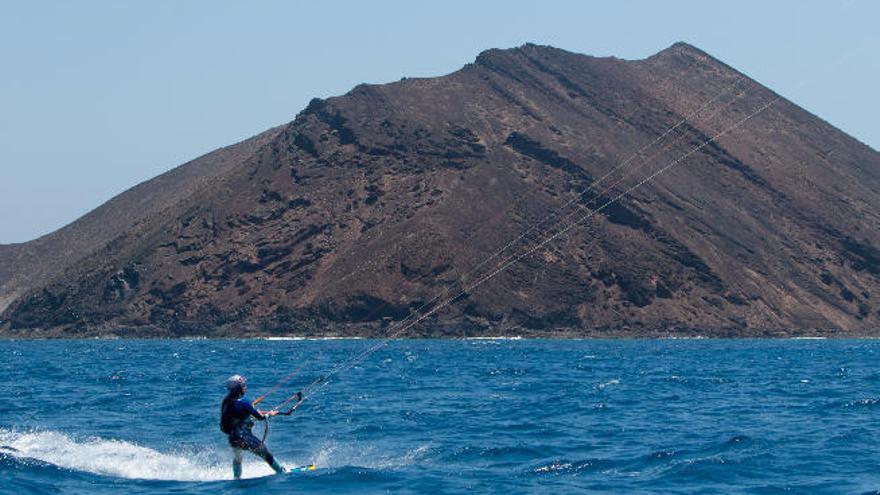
pixel 683 47
pixel 683 51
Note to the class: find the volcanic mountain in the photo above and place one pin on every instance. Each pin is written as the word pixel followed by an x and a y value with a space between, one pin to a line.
pixel 390 200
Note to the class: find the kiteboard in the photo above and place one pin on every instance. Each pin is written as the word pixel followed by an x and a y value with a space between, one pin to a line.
pixel 301 469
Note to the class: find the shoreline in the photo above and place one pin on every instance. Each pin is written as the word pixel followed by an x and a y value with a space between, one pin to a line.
pixel 451 330
pixel 512 338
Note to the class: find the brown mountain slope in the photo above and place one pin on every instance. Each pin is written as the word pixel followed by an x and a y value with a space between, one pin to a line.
pixel 28 265
pixel 371 204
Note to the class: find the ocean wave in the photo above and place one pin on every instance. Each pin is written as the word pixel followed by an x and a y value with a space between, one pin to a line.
pixel 866 402
pixel 603 385
pixel 120 459
pixel 848 404
pixel 670 460
pixel 483 453
pixel 332 453
pixel 572 467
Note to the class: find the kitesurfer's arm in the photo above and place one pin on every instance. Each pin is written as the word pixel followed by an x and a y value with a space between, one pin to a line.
pixel 260 415
pixel 252 411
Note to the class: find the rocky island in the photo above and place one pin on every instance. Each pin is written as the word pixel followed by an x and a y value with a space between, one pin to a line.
pixel 386 201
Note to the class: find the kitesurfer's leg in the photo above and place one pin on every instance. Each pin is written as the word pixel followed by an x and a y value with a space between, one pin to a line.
pixel 271 460
pixel 256 446
pixel 267 456
pixel 236 463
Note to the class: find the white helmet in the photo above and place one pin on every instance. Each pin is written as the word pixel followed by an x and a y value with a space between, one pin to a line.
pixel 235 381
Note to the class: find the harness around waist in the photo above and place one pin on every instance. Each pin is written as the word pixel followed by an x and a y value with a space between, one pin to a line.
pixel 240 428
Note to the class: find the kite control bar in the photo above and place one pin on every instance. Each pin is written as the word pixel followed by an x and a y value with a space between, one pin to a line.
pixel 299 400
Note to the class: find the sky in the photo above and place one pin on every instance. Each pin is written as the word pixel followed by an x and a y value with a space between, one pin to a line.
pixel 96 97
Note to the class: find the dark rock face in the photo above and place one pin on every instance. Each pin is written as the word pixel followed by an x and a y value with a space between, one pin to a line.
pixel 374 204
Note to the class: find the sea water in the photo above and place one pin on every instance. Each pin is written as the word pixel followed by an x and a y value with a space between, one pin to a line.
pixel 465 416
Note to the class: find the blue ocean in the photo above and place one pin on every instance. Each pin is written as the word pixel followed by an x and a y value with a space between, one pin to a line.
pixel 464 416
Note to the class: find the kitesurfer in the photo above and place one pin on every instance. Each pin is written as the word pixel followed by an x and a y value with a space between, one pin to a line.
pixel 236 412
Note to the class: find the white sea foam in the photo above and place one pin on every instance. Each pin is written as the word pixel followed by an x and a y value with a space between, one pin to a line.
pixel 122 459
pixel 615 381
pixel 345 454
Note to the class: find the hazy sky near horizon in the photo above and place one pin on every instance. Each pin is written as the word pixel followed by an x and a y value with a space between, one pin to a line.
pixel 96 97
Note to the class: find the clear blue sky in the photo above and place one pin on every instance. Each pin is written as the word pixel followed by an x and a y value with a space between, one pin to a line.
pixel 96 97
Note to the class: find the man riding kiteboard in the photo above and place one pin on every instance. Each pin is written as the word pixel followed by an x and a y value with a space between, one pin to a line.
pixel 236 412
